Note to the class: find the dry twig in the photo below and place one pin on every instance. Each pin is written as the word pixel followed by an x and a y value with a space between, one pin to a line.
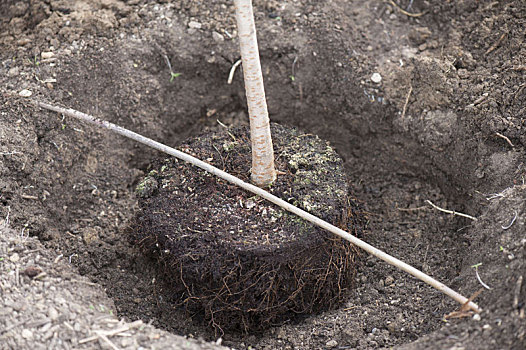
pixel 106 340
pixel 111 332
pixel 412 209
pixel 496 44
pixel 27 196
pixel 451 211
pixel 505 138
pixel 14 325
pixel 476 267
pixel 517 293
pixel 232 71
pixel 395 5
pixel 407 100
pixel 464 310
pixel 511 223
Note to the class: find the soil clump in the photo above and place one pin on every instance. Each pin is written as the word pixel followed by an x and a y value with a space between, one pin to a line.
pixel 233 258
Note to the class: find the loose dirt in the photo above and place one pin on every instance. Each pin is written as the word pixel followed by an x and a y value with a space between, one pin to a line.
pixel 445 124
pixel 47 305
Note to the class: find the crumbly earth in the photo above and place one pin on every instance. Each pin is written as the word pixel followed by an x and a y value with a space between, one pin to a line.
pixel 445 123
pixel 47 305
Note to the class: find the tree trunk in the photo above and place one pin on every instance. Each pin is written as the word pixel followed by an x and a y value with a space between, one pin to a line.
pixel 263 171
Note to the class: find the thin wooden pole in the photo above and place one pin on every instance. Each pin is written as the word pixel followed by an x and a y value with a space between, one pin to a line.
pixel 268 196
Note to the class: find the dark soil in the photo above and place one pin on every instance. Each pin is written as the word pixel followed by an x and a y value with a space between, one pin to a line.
pixel 235 259
pixel 446 124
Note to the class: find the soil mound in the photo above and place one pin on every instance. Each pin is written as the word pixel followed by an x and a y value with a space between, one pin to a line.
pixel 235 259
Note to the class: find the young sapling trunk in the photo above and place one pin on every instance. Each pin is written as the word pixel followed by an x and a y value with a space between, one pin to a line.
pixel 263 170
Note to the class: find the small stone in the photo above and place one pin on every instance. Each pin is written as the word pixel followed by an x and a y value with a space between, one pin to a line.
pixel 331 343
pixel 391 327
pixel 25 93
pixel 389 280
pixel 218 37
pixel 14 258
pixel 27 334
pixel 52 313
pixel 126 342
pixel 4 311
pixel 281 334
pixel 376 78
pixel 47 55
pixel 18 305
pixel 32 271
pixel 363 279
pixel 476 317
pixel 463 73
pixel 250 204
pixel 194 25
pixel 13 71
pixel 90 235
pixel 23 41
pixel 55 43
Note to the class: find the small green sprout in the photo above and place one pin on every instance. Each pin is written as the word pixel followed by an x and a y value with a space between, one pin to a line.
pixel 174 75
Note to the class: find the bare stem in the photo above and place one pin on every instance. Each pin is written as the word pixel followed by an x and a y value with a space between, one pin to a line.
pixel 268 196
pixel 263 170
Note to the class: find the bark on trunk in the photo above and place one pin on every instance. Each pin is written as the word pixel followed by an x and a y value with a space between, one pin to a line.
pixel 263 171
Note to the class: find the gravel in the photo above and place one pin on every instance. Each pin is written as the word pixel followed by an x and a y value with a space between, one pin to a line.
pixel 46 304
